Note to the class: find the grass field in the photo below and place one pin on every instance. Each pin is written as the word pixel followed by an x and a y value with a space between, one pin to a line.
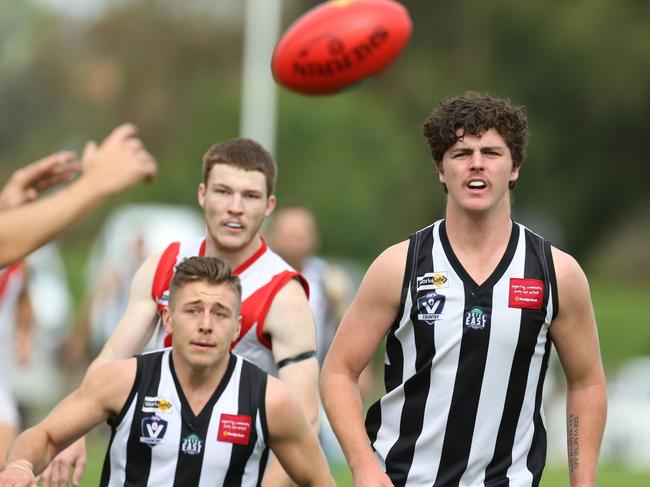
pixel 608 476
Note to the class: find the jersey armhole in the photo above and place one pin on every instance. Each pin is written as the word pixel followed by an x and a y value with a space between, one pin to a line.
pixel 277 283
pixel 262 410
pixel 408 273
pixel 164 271
pixel 548 257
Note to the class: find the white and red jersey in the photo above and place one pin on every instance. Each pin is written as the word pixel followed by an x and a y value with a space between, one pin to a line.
pixel 262 276
pixel 12 280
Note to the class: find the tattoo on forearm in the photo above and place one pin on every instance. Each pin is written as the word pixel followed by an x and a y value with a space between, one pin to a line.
pixel 573 424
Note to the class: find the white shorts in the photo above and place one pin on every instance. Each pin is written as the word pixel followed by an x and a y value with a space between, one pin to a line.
pixel 8 410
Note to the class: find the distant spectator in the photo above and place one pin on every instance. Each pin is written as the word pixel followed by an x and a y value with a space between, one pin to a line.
pixel 293 234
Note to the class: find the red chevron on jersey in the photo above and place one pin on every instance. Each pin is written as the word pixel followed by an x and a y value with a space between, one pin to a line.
pixel 8 273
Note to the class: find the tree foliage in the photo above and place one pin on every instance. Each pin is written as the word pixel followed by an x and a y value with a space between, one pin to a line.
pixel 581 69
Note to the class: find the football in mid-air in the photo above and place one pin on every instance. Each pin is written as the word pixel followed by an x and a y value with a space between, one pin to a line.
pixel 339 43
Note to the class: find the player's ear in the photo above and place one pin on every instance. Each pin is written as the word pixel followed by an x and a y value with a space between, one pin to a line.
pixel 514 174
pixel 200 193
pixel 270 205
pixel 167 319
pixel 439 171
pixel 237 329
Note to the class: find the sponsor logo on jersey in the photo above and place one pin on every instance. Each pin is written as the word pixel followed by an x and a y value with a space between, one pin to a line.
pixel 432 280
pixel 475 318
pixel 430 307
pixel 155 404
pixel 234 429
pixel 191 444
pixel 153 430
pixel 526 293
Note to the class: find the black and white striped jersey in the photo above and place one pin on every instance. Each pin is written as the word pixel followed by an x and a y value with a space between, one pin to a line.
pixel 158 441
pixel 465 366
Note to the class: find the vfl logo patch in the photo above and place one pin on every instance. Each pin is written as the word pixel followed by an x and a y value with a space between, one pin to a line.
pixel 430 307
pixel 192 445
pixel 155 404
pixel 234 429
pixel 432 280
pixel 526 293
pixel 475 318
pixel 153 430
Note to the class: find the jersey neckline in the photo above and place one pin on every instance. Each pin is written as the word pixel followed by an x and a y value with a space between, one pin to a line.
pixel 498 271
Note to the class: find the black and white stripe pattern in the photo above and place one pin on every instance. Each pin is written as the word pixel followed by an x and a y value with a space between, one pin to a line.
pixel 181 448
pixel 465 370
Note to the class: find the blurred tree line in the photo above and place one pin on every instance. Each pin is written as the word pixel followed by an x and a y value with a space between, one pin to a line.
pixel 581 69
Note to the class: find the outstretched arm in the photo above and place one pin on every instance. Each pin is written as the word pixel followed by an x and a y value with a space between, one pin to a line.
pixel 118 163
pixel 102 392
pixel 293 440
pixel 362 329
pixel 129 338
pixel 26 183
pixel 575 337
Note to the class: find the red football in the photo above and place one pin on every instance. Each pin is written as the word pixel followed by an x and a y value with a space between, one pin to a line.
pixel 339 43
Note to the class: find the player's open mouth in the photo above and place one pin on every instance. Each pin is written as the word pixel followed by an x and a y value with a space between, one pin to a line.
pixel 234 225
pixel 476 184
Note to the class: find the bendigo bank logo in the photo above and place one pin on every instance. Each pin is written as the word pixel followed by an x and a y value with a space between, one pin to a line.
pixel 234 429
pixel 430 307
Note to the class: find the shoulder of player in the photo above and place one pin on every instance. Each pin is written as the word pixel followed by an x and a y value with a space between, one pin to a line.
pixel 144 276
pixel 571 280
pixel 394 257
pixel 281 405
pixel 387 270
pixel 109 382
pixel 567 269
pixel 291 296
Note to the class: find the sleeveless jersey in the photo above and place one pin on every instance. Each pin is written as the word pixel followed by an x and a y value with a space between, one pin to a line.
pixel 465 366
pixel 262 276
pixel 157 440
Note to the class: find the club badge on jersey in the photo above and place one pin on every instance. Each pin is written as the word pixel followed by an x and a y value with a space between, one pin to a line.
pixel 430 307
pixel 192 444
pixel 153 430
pixel 476 318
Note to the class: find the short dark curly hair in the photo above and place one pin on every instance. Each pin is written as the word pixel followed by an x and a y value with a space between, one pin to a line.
pixel 476 113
